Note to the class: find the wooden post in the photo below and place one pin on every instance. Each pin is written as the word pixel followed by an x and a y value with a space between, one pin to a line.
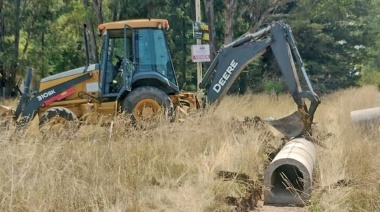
pixel 198 19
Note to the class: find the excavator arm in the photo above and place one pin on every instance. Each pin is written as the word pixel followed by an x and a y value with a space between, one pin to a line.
pixel 234 57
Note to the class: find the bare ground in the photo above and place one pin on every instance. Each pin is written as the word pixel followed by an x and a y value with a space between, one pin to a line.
pixel 271 208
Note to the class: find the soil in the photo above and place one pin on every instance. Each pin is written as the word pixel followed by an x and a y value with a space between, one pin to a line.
pixel 271 208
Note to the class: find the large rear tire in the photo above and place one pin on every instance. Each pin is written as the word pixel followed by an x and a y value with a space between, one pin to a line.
pixel 58 120
pixel 148 106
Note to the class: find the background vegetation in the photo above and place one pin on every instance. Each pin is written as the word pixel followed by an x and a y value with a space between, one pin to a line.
pixel 338 39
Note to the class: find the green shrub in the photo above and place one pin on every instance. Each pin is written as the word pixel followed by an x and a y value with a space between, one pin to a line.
pixel 371 77
pixel 273 87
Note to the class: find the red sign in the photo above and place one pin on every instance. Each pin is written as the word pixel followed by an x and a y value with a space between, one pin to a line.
pixel 200 53
pixel 201 57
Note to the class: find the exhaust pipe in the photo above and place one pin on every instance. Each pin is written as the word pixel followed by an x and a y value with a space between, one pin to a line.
pixel 288 178
pixel 86 45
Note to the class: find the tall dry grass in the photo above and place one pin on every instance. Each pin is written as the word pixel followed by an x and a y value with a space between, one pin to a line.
pixel 351 154
pixel 174 167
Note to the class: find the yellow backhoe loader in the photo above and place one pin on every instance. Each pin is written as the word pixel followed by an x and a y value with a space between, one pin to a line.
pixel 135 75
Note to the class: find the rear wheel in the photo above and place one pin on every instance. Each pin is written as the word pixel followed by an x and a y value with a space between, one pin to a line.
pixel 58 120
pixel 148 106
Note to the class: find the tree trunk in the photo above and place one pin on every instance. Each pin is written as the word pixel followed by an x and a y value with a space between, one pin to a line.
pixel 2 34
pixel 28 38
pixel 97 9
pixel 94 51
pixel 263 17
pixel 151 7
pixel 229 14
pixel 116 8
pixel 16 31
pixel 10 82
pixel 97 5
pixel 43 71
pixel 209 5
pixel 184 54
pixel 2 26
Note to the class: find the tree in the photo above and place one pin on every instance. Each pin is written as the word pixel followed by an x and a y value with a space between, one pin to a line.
pixel 2 35
pixel 370 66
pixel 338 39
pixel 93 11
pixel 230 17
pixel 10 46
pixel 259 12
pixel 210 15
pixel 333 36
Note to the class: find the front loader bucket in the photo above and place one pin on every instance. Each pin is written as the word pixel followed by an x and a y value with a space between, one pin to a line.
pixel 290 126
pixel 6 116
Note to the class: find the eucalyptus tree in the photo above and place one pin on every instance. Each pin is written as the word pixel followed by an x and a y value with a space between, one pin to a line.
pixel 2 48
pixel 9 42
pixel 338 39
pixel 370 67
pixel 333 37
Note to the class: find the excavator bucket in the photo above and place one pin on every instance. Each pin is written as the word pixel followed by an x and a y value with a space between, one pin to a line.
pixel 290 126
pixel 6 116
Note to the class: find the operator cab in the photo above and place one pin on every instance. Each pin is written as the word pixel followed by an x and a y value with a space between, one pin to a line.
pixel 134 53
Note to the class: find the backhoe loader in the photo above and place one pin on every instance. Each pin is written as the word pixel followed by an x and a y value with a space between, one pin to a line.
pixel 135 76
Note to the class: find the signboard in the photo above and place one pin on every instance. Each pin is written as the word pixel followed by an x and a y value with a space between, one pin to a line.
pixel 200 31
pixel 200 53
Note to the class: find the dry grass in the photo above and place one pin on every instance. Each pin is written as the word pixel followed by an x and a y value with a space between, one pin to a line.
pixel 173 167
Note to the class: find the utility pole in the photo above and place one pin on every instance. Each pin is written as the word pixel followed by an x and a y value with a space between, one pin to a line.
pixel 198 19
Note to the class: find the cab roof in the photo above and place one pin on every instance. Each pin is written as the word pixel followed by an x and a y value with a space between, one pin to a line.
pixel 135 23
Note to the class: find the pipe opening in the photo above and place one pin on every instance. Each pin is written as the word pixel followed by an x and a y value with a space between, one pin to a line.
pixel 287 179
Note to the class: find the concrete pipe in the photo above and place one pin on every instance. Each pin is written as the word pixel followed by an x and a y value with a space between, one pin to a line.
pixel 288 178
pixel 366 115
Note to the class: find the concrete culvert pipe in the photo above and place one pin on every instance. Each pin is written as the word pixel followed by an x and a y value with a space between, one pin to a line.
pixel 288 178
pixel 366 115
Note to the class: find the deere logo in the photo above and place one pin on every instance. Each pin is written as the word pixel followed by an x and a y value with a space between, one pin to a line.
pixel 226 75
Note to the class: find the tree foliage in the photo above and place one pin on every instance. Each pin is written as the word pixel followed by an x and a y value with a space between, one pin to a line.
pixel 338 39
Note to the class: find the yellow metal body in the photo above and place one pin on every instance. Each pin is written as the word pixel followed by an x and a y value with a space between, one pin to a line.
pixel 85 105
pixel 137 23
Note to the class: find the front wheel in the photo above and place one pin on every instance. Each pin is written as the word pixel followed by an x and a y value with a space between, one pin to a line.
pixel 58 120
pixel 148 106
